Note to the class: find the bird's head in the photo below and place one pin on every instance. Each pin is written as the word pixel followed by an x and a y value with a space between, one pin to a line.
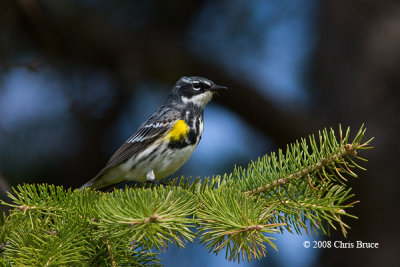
pixel 196 90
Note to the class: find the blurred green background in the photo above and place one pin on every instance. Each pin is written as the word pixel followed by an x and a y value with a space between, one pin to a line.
pixel 78 77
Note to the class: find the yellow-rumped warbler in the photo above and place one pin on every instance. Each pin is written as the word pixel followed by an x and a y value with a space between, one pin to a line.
pixel 165 141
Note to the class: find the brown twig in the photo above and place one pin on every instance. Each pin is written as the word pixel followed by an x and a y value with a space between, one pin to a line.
pixel 112 258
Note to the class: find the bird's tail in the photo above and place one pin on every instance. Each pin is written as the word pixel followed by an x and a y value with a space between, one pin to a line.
pixel 102 181
pixel 88 184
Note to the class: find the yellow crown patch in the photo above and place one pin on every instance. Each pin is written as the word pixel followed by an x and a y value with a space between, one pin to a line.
pixel 178 131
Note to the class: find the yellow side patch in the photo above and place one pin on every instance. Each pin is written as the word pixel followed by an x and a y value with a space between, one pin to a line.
pixel 178 131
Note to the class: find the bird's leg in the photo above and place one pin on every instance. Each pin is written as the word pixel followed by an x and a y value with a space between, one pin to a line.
pixel 152 178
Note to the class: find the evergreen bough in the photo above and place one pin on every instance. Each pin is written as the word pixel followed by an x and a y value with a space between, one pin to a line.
pixel 303 188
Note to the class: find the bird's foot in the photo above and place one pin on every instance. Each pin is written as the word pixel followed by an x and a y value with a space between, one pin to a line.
pixel 152 179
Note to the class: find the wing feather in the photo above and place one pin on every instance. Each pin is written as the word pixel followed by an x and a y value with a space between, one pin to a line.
pixel 158 124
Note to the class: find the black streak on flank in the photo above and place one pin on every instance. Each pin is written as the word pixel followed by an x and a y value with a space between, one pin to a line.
pixel 191 138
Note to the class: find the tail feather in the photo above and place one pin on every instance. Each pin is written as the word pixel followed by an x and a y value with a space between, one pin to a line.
pixel 95 182
pixel 88 184
pixel 104 181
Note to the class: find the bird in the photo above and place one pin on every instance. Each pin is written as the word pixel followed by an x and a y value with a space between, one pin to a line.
pixel 165 141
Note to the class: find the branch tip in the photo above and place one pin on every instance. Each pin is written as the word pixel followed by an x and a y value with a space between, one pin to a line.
pixel 347 149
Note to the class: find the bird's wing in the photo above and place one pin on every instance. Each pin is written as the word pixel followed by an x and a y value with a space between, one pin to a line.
pixel 158 124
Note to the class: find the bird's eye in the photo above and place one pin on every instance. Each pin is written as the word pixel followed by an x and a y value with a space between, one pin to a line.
pixel 196 86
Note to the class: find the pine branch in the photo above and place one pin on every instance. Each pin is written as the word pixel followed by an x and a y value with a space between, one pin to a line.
pixel 306 185
pixel 302 189
pixel 148 217
pixel 343 151
pixel 298 162
pixel 241 230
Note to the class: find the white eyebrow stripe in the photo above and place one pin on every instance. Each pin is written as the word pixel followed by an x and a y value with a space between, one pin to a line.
pixel 206 82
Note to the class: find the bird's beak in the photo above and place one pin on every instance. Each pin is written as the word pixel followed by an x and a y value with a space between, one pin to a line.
pixel 218 88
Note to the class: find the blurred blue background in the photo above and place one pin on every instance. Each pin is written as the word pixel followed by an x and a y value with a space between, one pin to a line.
pixel 78 77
